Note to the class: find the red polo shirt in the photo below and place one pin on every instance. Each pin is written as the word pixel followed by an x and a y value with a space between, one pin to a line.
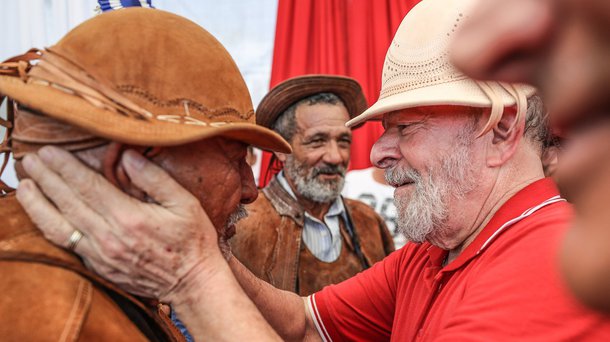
pixel 505 286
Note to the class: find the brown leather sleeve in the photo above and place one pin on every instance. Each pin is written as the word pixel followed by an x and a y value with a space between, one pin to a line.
pixel 45 303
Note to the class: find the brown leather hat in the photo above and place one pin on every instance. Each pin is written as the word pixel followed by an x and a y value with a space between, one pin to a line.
pixel 140 76
pixel 295 89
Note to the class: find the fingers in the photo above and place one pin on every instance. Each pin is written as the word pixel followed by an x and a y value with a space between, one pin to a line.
pixel 78 213
pixel 80 180
pixel 49 220
pixel 153 180
pixel 43 213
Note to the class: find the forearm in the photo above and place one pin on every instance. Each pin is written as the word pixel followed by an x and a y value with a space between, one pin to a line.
pixel 214 307
pixel 285 311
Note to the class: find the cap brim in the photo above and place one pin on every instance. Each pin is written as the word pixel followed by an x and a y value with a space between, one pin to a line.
pixel 80 113
pixel 459 93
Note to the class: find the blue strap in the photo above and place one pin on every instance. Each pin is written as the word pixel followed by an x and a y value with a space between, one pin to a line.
pixel 181 327
pixel 109 5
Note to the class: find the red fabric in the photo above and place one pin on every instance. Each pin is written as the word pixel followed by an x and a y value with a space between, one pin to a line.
pixel 510 290
pixel 340 37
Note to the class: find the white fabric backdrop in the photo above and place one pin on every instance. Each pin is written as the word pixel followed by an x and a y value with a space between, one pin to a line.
pixel 245 27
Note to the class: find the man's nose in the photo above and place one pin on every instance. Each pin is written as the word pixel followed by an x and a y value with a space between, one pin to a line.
pixel 249 192
pixel 385 152
pixel 332 155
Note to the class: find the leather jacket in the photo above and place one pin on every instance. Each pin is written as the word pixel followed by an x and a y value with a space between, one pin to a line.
pixel 49 295
pixel 268 242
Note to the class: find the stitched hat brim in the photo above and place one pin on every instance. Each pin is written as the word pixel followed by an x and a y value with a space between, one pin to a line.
pixel 80 113
pixel 464 92
pixel 287 93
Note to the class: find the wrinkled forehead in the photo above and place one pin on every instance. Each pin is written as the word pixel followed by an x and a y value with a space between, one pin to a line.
pixel 438 112
pixel 320 117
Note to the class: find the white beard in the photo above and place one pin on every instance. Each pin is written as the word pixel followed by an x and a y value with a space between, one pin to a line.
pixel 310 186
pixel 426 211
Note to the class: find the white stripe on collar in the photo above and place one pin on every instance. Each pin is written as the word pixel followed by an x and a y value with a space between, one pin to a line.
pixel 525 214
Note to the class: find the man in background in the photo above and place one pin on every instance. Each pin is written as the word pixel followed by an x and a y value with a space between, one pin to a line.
pixel 301 235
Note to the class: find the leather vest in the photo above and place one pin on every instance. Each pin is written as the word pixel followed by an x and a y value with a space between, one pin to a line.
pixel 268 242
pixel 315 273
pixel 48 294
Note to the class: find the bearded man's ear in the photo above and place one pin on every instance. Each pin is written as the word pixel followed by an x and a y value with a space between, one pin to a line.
pixel 506 136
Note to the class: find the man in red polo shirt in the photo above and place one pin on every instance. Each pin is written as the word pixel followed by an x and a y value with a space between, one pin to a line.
pixel 464 157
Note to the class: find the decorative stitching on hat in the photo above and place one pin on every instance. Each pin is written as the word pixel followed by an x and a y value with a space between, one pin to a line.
pixel 181 102
pixel 412 76
pixel 412 68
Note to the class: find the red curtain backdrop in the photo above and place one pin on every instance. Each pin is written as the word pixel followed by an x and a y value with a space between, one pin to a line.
pixel 340 37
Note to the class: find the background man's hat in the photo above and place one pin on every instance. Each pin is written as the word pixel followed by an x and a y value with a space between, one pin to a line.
pixel 292 90
pixel 139 76
pixel 417 71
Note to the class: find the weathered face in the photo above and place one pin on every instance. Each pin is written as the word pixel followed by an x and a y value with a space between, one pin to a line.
pixel 215 171
pixel 427 153
pixel 320 152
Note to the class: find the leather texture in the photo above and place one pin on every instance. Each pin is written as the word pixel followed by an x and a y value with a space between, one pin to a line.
pixel 49 295
pixel 268 242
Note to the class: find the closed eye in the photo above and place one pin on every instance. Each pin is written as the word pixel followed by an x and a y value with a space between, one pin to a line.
pixel 405 129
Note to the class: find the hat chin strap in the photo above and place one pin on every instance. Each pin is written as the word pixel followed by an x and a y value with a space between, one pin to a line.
pixel 17 66
pixel 5 146
pixel 497 104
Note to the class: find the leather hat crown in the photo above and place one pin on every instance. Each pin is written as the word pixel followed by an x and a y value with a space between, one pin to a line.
pixel 139 76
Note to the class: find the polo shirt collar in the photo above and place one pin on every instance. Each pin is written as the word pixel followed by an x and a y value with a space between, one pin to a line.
pixel 523 203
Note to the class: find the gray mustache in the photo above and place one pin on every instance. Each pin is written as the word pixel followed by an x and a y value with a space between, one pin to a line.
pixel 396 176
pixel 330 170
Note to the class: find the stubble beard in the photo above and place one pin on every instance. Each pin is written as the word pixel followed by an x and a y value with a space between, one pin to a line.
pixel 240 213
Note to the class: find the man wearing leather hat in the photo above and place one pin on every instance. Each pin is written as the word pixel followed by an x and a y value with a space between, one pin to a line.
pixel 301 235
pixel 113 92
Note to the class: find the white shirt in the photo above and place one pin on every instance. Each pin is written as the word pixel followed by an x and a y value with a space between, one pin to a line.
pixel 323 239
